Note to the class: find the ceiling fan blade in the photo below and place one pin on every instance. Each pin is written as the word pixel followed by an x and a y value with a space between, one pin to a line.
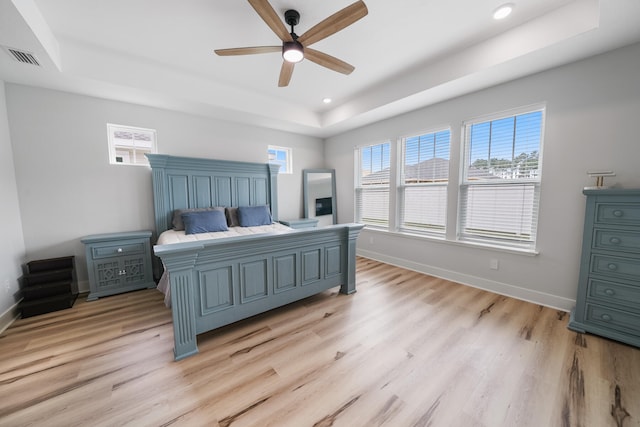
pixel 328 61
pixel 334 23
pixel 285 73
pixel 247 50
pixel 271 18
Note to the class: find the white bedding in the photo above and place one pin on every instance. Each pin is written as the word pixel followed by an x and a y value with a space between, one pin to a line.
pixel 171 236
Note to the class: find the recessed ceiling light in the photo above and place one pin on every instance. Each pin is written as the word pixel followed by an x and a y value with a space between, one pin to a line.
pixel 503 11
pixel 327 100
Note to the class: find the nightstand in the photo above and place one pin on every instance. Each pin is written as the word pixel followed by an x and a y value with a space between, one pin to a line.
pixel 300 222
pixel 118 262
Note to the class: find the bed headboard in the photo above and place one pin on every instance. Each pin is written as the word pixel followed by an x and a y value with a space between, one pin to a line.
pixel 186 182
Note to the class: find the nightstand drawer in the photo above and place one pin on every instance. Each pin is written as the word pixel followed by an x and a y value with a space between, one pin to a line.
pixel 618 213
pixel 625 268
pixel 115 250
pixel 622 321
pixel 614 293
pixel 623 241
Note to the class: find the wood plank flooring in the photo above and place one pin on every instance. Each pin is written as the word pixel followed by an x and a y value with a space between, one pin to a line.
pixel 406 350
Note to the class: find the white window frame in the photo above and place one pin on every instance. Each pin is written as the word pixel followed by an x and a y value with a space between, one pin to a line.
pixel 288 158
pixel 522 233
pixel 133 153
pixel 379 218
pixel 427 187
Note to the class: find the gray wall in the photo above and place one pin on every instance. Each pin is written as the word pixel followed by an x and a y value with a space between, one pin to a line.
pixel 67 189
pixel 12 248
pixel 593 109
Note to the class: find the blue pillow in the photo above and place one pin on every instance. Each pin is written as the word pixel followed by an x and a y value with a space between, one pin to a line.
pixel 204 221
pixel 250 216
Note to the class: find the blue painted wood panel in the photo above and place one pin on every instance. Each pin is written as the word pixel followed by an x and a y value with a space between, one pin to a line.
pixel 178 192
pixel 253 280
pixel 216 289
pixel 261 187
pixel 202 191
pixel 332 257
pixel 243 191
pixel 284 272
pixel 311 265
pixel 223 191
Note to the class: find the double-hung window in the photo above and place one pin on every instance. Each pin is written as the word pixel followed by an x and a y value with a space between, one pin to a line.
pixel 422 192
pixel 282 157
pixel 500 186
pixel 372 184
pixel 128 145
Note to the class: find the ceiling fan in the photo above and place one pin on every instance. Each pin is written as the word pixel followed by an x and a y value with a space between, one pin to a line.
pixel 295 48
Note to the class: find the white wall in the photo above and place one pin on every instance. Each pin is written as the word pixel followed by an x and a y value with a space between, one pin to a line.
pixel 593 110
pixel 12 249
pixel 67 189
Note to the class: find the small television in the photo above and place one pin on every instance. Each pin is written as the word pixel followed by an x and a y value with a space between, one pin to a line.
pixel 324 206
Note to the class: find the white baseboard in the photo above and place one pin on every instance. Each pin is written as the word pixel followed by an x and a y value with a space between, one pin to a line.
pixel 9 316
pixel 541 298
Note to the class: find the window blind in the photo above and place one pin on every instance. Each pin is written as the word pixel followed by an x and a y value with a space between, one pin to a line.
pixel 372 187
pixel 499 195
pixel 423 184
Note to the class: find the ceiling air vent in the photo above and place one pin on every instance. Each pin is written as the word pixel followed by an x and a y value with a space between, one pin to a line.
pixel 22 56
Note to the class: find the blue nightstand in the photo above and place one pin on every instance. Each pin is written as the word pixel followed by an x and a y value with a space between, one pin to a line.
pixel 300 222
pixel 118 262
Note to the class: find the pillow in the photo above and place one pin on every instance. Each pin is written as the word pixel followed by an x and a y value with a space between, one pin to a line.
pixel 250 216
pixel 177 216
pixel 232 216
pixel 204 221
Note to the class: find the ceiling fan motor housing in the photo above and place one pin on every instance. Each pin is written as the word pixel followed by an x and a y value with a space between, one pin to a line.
pixel 291 17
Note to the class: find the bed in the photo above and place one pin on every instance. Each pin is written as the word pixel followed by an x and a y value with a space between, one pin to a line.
pixel 218 281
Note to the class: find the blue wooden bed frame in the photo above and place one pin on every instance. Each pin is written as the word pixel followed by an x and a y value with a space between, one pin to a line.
pixel 220 281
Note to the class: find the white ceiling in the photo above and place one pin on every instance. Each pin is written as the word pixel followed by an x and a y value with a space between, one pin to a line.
pixel 407 53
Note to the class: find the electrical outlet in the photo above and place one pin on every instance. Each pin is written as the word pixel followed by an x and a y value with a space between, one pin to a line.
pixel 7 286
pixel 493 264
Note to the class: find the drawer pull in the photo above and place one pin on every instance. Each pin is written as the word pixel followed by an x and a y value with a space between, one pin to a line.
pixel 618 213
pixel 612 267
pixel 614 241
pixel 610 292
pixel 119 250
pixel 605 317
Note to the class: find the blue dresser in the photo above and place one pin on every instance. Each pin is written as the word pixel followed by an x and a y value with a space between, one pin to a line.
pixel 118 262
pixel 608 300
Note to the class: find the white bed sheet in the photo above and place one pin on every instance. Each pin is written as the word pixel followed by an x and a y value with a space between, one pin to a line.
pixel 172 236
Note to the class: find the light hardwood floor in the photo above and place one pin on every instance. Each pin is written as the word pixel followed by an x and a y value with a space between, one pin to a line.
pixel 405 350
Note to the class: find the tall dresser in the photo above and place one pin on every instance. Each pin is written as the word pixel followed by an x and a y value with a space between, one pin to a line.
pixel 608 300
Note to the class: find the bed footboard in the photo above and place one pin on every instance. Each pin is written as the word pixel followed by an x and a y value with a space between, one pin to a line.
pixel 215 283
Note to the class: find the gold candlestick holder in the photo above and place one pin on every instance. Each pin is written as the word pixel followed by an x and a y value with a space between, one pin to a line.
pixel 599 176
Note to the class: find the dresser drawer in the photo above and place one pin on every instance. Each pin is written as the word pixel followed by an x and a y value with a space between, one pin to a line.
pixel 116 250
pixel 626 268
pixel 619 320
pixel 617 213
pixel 616 240
pixel 614 293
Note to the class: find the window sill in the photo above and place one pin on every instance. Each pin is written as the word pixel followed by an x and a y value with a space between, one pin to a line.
pixel 461 243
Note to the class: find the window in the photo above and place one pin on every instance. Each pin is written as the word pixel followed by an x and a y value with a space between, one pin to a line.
pixel 280 156
pixel 372 184
pixel 423 183
pixel 500 188
pixel 128 145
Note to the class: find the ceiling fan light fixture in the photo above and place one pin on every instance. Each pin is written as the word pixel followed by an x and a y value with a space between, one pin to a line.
pixel 292 51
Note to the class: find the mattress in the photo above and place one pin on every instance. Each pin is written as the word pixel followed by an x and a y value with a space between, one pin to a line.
pixel 172 236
